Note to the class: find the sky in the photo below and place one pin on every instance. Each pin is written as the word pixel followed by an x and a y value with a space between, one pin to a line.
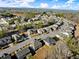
pixel 49 4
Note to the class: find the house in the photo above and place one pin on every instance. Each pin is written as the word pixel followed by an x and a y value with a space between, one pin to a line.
pixel 26 19
pixel 10 33
pixel 39 31
pixel 35 19
pixel 72 24
pixel 49 41
pixel 37 44
pixel 32 31
pixel 6 56
pixel 19 38
pixel 40 40
pixel 55 27
pixel 12 27
pixel 42 30
pixel 30 20
pixel 59 23
pixel 23 37
pixel 5 41
pixel 68 30
pixel 46 30
pixel 72 28
pixel 21 54
pixel 51 29
pixel 71 33
pixel 65 33
pixel 15 36
pixel 62 35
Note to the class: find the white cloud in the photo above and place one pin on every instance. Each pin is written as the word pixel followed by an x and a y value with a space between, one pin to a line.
pixel 25 1
pixel 16 3
pixel 26 5
pixel 55 6
pixel 61 7
pixel 70 1
pixel 44 5
pixel 56 0
pixel 76 7
pixel 70 4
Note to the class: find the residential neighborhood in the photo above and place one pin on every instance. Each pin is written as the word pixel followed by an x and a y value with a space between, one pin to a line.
pixel 21 38
pixel 39 29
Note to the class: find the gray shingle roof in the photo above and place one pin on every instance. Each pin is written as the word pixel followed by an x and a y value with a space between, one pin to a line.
pixel 6 56
pixel 5 40
pixel 21 54
pixel 50 40
pixel 37 44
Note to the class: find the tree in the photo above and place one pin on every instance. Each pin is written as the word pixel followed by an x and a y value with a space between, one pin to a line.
pixel 7 15
pixel 19 27
pixel 38 24
pixel 30 14
pixel 2 33
pixel 60 15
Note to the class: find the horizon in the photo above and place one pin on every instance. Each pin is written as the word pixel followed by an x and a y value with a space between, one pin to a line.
pixel 45 4
pixel 38 8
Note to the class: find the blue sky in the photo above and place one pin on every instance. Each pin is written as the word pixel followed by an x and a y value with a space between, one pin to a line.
pixel 52 4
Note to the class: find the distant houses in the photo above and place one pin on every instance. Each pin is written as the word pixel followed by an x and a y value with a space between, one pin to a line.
pixel 52 28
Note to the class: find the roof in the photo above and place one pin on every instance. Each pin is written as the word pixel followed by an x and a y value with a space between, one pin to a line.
pixel 21 54
pixel 69 31
pixel 37 44
pixel 62 35
pixel 10 50
pixel 49 40
pixel 5 40
pixel 55 26
pixel 32 30
pixel 11 33
pixel 46 29
pixel 6 56
pixel 59 23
